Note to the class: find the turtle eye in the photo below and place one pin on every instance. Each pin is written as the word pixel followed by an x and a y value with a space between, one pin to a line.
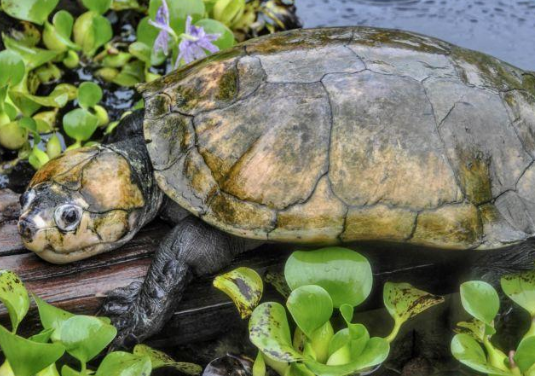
pixel 68 217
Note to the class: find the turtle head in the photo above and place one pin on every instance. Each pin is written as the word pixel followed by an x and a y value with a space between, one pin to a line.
pixel 85 202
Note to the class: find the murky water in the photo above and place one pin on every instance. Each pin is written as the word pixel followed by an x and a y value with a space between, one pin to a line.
pixel 503 28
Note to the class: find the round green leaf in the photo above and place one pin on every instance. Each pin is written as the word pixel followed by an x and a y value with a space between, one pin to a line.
pixel 14 296
pixel 99 6
pixel 226 38
pixel 80 124
pixel 469 352
pixel 28 357
pixel 525 354
pixel 92 31
pixel 375 352
pixel 480 300
pixel 85 337
pixel 521 289
pixel 345 274
pixel 36 11
pixel 270 332
pixel 403 301
pixel 89 94
pixel 124 364
pixel 159 359
pixel 244 286
pixel 311 307
pixel 12 68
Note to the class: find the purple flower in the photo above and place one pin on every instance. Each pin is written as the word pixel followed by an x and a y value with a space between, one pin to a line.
pixel 195 42
pixel 162 22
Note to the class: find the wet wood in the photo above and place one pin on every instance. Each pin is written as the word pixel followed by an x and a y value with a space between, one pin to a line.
pixel 204 312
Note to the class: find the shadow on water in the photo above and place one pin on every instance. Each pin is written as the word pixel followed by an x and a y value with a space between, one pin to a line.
pixel 502 28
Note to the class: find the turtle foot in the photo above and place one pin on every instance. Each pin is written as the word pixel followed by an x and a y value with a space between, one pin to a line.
pixel 122 307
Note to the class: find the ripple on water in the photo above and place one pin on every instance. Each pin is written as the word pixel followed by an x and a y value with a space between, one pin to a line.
pixel 505 29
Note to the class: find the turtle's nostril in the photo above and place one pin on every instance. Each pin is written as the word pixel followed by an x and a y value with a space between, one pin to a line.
pixel 26 229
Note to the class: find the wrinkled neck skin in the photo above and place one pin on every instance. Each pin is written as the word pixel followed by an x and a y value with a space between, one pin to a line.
pixel 136 153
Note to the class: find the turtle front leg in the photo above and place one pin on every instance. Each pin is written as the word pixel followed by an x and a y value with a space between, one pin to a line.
pixel 191 249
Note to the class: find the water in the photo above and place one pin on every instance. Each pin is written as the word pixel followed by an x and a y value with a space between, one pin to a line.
pixel 502 28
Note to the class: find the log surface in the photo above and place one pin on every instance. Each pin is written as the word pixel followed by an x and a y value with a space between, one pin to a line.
pixel 204 312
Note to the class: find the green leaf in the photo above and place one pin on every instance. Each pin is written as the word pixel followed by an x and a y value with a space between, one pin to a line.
pixel 38 158
pixel 259 366
pixel 124 364
pixel 480 300
pixel 473 327
pixel 14 296
pixel 80 124
pixel 30 103
pixel 345 274
pixel 27 357
pixel 469 352
pixel 36 11
pixel 226 38
pixel 311 307
pixel 43 336
pixel 85 337
pixel 270 332
pixel 89 94
pixel 375 353
pixel 244 286
pixel 57 36
pixel 12 68
pixel 159 359
pixel 521 289
pixel 92 31
pixel 68 371
pixel 403 301
pixel 52 318
pixel 178 11
pixel 132 74
pixel 99 6
pixel 33 57
pixel 525 354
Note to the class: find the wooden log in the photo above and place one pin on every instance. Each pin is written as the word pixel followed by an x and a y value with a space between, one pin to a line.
pixel 204 312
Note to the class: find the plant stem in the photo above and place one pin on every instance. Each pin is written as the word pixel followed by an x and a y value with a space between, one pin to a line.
pixel 496 357
pixel 83 371
pixel 395 331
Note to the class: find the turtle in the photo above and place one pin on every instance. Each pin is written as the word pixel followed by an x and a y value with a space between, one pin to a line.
pixel 308 137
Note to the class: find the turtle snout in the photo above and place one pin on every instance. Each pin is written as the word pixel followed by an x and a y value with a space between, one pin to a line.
pixel 27 229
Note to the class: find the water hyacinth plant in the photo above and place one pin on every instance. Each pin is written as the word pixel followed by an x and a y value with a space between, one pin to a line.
pixel 48 43
pixel 472 345
pixel 80 337
pixel 322 284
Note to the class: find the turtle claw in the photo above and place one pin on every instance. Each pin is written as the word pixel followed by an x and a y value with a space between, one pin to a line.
pixel 119 301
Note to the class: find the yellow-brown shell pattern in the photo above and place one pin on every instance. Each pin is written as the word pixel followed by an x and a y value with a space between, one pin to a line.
pixel 349 134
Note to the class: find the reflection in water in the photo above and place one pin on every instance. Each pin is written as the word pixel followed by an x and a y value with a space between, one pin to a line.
pixel 502 28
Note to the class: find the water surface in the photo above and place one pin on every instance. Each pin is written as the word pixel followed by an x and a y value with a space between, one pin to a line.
pixel 503 28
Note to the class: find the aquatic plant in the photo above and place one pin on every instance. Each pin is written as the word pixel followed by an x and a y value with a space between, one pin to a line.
pixel 49 42
pixel 81 337
pixel 321 284
pixel 472 345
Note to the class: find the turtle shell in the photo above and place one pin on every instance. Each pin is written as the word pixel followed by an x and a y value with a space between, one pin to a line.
pixel 349 134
